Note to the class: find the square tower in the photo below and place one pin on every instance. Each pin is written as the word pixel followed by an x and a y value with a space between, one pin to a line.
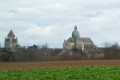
pixel 11 41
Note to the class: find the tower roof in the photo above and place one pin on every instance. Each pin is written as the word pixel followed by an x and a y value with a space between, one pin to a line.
pixel 11 34
pixel 71 40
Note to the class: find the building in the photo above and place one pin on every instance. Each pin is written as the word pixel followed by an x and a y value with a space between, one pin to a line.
pixel 11 41
pixel 83 43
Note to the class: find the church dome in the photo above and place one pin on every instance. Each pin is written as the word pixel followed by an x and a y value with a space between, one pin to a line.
pixel 75 33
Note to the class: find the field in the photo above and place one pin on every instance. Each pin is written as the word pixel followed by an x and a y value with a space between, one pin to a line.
pixel 61 70
pixel 51 64
pixel 68 73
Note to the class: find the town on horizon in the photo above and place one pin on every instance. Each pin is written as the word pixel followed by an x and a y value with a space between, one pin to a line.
pixel 75 47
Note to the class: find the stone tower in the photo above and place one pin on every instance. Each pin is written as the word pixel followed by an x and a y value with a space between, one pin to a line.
pixel 11 41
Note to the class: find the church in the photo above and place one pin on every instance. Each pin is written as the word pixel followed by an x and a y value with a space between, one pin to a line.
pixel 83 43
pixel 11 41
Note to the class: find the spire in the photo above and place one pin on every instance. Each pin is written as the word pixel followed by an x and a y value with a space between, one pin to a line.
pixel 75 28
pixel 16 39
pixel 64 40
pixel 11 34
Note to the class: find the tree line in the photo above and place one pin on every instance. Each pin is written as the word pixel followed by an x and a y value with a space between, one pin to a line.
pixel 44 53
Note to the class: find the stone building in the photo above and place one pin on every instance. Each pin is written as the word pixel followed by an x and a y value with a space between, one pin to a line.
pixel 11 41
pixel 83 43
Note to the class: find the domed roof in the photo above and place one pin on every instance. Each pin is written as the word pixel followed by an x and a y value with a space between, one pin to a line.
pixel 75 33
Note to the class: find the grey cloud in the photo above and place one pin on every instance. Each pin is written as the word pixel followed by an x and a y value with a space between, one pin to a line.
pixel 12 11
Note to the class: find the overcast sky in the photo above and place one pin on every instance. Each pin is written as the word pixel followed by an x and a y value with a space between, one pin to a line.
pixel 52 21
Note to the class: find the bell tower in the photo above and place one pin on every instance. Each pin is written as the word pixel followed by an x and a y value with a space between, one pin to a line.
pixel 11 41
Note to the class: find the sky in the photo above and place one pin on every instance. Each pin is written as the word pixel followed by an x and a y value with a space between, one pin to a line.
pixel 51 21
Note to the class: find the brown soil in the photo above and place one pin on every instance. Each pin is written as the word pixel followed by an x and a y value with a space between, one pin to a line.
pixel 51 64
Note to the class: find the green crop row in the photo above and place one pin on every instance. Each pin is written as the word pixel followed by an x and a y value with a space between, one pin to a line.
pixel 73 73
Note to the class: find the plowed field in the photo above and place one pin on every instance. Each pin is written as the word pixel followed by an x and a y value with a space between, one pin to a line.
pixel 51 64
